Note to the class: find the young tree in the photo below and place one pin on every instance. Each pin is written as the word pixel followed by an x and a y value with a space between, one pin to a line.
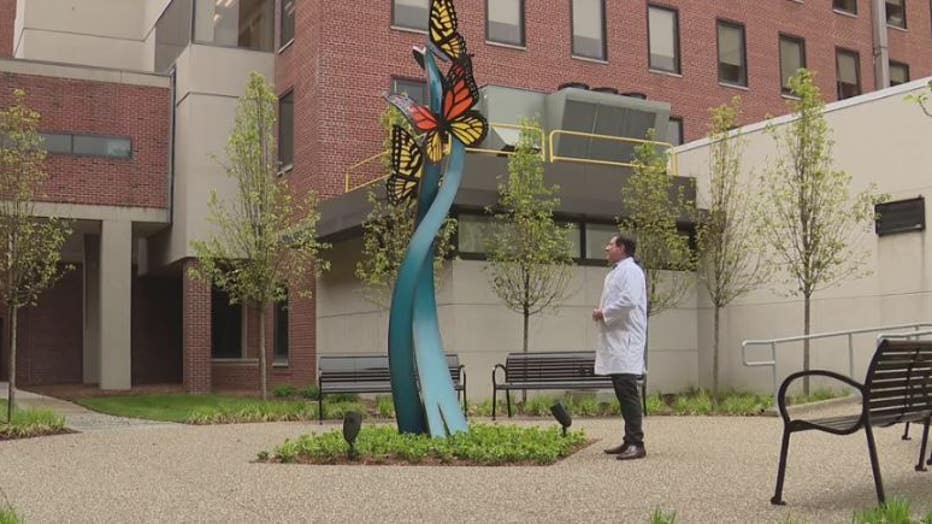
pixel 529 254
pixel 388 229
pixel 653 206
pixel 808 216
pixel 729 265
pixel 30 247
pixel 922 99
pixel 264 246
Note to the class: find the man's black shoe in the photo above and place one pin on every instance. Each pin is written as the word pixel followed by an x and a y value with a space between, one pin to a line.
pixel 633 452
pixel 620 448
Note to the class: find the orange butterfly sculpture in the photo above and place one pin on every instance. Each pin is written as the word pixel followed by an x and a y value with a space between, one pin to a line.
pixel 457 117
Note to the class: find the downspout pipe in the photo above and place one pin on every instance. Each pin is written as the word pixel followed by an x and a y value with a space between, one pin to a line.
pixel 881 46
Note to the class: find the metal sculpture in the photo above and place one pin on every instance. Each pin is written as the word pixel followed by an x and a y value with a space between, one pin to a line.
pixel 448 126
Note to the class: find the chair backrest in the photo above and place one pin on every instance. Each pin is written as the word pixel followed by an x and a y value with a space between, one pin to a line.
pixel 563 366
pixel 368 368
pixel 899 379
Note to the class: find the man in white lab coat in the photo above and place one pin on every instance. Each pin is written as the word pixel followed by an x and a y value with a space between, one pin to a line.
pixel 622 323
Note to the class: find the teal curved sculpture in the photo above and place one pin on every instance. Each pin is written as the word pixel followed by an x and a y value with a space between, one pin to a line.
pixel 422 390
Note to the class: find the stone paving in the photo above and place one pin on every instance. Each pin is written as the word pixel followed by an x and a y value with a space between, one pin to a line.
pixel 708 469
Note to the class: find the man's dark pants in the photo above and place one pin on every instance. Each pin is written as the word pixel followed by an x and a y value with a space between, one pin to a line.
pixel 626 389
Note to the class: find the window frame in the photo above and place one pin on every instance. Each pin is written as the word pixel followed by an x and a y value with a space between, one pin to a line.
pixel 677 57
pixel 719 22
pixel 846 11
pixel 401 27
pixel 857 71
pixel 522 26
pixel 904 65
pixel 424 92
pixel 281 358
pixel 573 53
pixel 887 15
pixel 195 40
pixel 281 25
pixel 785 90
pixel 283 166
pixel 682 133
pixel 72 152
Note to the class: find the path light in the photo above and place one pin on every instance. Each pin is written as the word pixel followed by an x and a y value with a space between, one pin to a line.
pixel 562 416
pixel 352 421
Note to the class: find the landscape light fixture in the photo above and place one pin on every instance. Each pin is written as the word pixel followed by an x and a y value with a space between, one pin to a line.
pixel 562 416
pixel 352 422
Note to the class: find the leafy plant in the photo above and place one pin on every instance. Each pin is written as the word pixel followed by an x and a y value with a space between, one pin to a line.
pixel 895 511
pixel 310 392
pixel 385 407
pixel 659 516
pixel 9 516
pixel 284 391
pixel 32 423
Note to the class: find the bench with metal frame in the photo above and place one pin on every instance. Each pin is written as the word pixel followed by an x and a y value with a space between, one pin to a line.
pixel 370 374
pixel 897 389
pixel 551 371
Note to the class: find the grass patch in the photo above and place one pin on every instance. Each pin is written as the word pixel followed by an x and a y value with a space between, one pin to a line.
pixel 895 511
pixel 10 516
pixel 482 444
pixel 818 395
pixel 659 516
pixel 32 423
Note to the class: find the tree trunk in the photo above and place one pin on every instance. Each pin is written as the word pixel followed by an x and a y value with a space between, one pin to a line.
pixel 263 369
pixel 527 314
pixel 11 393
pixel 806 326
pixel 715 357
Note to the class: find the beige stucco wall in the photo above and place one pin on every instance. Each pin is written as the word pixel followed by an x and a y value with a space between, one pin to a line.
pixel 103 33
pixel 477 326
pixel 881 139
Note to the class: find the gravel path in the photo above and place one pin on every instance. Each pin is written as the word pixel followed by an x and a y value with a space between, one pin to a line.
pixel 708 469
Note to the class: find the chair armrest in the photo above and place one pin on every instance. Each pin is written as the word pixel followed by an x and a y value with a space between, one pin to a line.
pixel 494 369
pixel 462 371
pixel 781 393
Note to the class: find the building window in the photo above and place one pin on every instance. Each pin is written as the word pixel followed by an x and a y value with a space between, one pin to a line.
pixel 899 73
pixel 589 29
pixel 172 33
pixel 471 232
pixel 280 313
pixel 597 237
pixel 226 326
pixel 675 131
pixel 287 28
pixel 411 14
pixel 896 13
pixel 286 130
pixel 663 31
pixel 505 21
pixel 848 71
pixel 846 6
pixel 88 145
pixel 248 24
pixel 416 89
pixel 792 59
pixel 732 62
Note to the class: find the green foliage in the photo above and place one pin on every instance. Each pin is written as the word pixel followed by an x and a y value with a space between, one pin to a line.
pixel 264 247
pixel 652 208
pixel 30 247
pixel 32 423
pixel 255 411
pixel 342 397
pixel 529 254
pixel 385 407
pixel 659 516
pixel 819 395
pixel 729 265
pixel 310 392
pixel 895 511
pixel 338 409
pixel 922 98
pixel 489 445
pixel 9 516
pixel 387 231
pixel 284 391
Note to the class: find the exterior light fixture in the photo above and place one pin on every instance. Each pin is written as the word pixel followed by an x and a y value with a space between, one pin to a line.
pixel 352 422
pixel 563 417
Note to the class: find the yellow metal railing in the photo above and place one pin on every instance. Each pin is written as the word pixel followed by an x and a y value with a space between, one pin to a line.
pixel 351 170
pixel 674 161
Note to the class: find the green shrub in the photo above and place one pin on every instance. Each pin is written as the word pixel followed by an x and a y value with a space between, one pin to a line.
pixel 9 516
pixel 284 391
pixel 484 408
pixel 482 444
pixel 342 397
pixel 538 406
pixel 310 392
pixel 693 403
pixel 338 409
pixel 385 407
pixel 818 395
pixel 735 403
pixel 257 411
pixel 659 516
pixel 32 423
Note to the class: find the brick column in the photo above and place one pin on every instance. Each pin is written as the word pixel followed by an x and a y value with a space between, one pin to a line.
pixel 195 332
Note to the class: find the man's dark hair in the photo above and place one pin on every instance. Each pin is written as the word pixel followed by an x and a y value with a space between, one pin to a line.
pixel 630 245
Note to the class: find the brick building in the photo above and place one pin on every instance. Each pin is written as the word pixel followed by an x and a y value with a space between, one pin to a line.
pixel 155 82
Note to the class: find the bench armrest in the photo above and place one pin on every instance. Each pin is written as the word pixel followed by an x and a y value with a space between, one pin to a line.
pixel 494 369
pixel 781 393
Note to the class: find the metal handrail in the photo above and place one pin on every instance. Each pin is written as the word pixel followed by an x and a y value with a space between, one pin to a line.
pixel 347 175
pixel 773 342
pixel 674 160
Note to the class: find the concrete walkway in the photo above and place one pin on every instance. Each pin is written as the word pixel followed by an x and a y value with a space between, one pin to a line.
pixel 708 469
pixel 77 417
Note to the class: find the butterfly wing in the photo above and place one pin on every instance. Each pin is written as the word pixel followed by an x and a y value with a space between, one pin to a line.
pixel 443 29
pixel 407 164
pixel 470 128
pixel 435 144
pixel 460 90
pixel 420 117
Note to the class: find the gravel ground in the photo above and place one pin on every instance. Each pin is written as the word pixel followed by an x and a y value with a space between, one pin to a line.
pixel 708 469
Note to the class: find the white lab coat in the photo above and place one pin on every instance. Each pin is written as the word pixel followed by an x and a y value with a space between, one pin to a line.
pixel 623 332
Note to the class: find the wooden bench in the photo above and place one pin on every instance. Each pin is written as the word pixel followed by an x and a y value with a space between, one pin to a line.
pixel 897 389
pixel 550 370
pixel 369 374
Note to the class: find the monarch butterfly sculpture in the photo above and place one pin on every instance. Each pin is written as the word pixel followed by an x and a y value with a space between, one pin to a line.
pixel 447 126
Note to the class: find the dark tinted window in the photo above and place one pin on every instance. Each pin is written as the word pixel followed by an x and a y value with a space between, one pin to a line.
pixel 899 73
pixel 732 68
pixel 416 89
pixel 896 13
pixel 505 21
pixel 287 28
pixel 792 59
pixel 848 6
pixel 102 146
pixel 848 73
pixel 286 130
